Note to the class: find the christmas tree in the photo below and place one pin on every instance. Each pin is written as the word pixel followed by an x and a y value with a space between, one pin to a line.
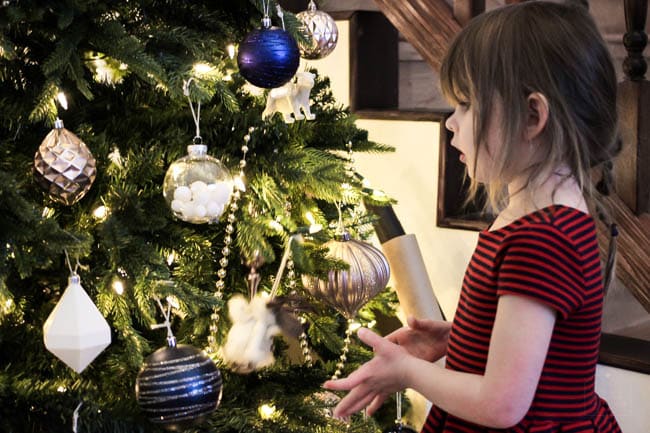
pixel 137 82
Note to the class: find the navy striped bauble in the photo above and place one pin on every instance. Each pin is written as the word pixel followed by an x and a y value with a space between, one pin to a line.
pixel 178 386
pixel 399 428
pixel 268 57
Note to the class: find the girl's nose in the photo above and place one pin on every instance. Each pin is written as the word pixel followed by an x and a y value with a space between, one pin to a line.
pixel 450 124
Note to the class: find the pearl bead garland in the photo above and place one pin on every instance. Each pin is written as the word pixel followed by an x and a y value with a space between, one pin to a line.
pixel 226 250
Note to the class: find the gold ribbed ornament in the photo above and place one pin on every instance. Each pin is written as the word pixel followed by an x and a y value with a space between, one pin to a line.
pixel 64 166
pixel 348 290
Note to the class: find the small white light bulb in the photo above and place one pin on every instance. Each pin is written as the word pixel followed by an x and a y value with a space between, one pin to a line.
pixel 173 301
pixel 354 326
pixel 115 157
pixel 276 226
pixel 100 212
pixel 231 50
pixel 266 411
pixel 202 68
pixel 170 258
pixel 239 183
pixel 62 100
pixel 118 286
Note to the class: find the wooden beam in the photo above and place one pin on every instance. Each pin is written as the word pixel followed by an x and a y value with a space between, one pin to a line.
pixel 465 10
pixel 428 25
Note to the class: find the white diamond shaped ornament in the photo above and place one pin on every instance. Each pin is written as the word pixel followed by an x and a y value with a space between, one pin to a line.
pixel 75 331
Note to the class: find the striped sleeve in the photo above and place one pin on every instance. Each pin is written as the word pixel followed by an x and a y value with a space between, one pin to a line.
pixel 542 263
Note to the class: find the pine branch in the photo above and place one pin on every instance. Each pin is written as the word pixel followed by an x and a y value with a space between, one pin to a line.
pixel 45 109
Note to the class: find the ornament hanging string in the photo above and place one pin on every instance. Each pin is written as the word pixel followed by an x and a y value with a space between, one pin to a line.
pixel 283 264
pixel 67 261
pixel 266 5
pixel 281 16
pixel 398 411
pixel 340 228
pixel 171 340
pixel 196 115
pixel 75 417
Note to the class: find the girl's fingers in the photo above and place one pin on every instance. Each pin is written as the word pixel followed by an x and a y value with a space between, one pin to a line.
pixel 355 401
pixel 370 338
pixel 376 403
pixel 354 379
pixel 337 385
pixel 412 322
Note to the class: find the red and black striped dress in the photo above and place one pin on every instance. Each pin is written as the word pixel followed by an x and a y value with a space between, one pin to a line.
pixel 552 256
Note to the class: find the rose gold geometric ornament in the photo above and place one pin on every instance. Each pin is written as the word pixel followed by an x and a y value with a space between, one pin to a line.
pixel 64 166
pixel 75 331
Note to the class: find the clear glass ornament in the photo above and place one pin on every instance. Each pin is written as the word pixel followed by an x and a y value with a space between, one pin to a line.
pixel 198 186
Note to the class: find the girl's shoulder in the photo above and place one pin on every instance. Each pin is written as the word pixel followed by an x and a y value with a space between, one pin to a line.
pixel 561 220
pixel 557 215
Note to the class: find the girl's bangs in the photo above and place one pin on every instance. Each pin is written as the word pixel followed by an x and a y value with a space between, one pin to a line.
pixel 454 76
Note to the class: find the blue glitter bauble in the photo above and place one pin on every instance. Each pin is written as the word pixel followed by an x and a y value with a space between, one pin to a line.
pixel 268 58
pixel 178 386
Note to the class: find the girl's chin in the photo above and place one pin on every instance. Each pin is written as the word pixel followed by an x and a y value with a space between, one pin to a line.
pixel 462 158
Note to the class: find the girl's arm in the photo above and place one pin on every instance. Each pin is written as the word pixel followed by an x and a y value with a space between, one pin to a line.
pixel 498 399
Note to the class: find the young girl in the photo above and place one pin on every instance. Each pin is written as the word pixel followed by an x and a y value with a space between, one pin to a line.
pixel 534 92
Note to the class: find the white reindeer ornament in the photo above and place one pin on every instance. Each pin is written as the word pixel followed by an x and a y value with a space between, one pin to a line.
pixel 291 99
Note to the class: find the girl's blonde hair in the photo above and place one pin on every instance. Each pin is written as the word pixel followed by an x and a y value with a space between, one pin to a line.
pixel 554 49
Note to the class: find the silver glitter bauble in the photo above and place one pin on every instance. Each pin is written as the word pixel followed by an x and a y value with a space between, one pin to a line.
pixel 64 166
pixel 320 32
pixel 178 386
pixel 348 290
pixel 198 186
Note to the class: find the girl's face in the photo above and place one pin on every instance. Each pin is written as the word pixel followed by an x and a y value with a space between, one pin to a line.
pixel 461 123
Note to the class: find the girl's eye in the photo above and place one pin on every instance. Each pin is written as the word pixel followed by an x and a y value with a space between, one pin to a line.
pixel 462 107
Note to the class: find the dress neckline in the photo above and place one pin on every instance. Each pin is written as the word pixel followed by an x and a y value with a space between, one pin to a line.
pixel 547 210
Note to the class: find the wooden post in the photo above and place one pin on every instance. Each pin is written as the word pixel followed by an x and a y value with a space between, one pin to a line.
pixel 632 167
pixel 374 62
pixel 465 10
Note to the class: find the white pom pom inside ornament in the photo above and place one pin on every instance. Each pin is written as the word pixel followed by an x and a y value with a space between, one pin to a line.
pixel 198 187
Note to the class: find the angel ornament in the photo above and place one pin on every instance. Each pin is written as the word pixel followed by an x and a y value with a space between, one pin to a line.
pixel 249 344
pixel 291 99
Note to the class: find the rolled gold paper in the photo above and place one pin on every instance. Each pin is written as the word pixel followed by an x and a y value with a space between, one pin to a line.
pixel 410 278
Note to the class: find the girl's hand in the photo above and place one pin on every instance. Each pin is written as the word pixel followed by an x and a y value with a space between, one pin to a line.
pixel 423 338
pixel 369 385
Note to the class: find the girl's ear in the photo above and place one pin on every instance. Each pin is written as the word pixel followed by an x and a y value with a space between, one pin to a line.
pixel 537 115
